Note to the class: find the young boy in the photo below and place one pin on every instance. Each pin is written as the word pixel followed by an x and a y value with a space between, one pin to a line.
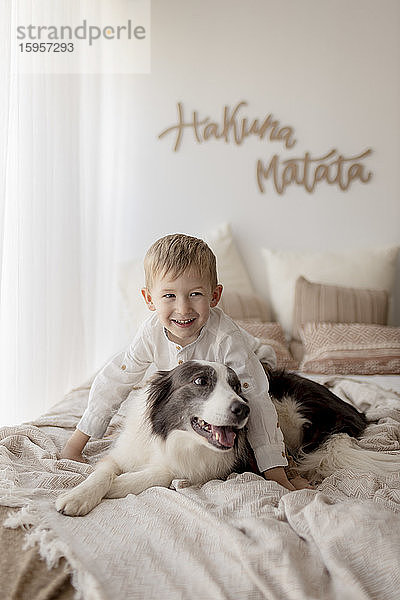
pixel 182 291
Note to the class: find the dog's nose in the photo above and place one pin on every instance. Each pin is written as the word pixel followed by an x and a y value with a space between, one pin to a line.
pixel 240 409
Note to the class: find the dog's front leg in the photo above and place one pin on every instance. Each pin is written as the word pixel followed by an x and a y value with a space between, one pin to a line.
pixel 138 481
pixel 85 496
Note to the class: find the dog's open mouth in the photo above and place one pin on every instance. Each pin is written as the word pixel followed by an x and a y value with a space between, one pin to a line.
pixel 222 438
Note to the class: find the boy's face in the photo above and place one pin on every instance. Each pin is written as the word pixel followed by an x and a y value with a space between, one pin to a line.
pixel 182 304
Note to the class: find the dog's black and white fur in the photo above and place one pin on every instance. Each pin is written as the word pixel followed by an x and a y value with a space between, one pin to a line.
pixel 190 423
pixel 187 423
pixel 321 430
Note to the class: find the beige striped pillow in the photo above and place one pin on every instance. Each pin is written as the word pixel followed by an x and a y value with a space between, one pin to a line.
pixel 317 302
pixel 347 349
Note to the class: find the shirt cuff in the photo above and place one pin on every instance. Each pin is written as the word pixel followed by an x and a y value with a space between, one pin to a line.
pixel 92 425
pixel 268 457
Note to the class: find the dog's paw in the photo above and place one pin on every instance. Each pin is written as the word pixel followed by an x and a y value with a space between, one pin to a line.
pixel 74 505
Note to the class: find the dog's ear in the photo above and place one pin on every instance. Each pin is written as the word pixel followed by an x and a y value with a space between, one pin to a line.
pixel 159 391
pixel 160 388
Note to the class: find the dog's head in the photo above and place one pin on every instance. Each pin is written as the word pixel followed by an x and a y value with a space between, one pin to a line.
pixel 203 398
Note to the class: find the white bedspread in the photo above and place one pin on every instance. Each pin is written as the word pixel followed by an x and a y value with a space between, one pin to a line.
pixel 245 538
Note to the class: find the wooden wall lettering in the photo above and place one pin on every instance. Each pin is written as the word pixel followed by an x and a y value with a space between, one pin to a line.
pixel 307 171
pixel 232 128
pixel 333 167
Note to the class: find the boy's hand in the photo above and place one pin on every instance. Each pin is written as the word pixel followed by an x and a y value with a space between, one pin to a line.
pixel 72 455
pixel 301 484
pixel 278 474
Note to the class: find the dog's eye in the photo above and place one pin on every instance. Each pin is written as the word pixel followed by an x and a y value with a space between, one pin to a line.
pixel 200 381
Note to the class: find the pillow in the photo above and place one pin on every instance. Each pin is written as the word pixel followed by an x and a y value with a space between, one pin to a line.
pixel 131 280
pixel 372 269
pixel 316 302
pixel 244 306
pixel 347 349
pixel 272 335
pixel 232 272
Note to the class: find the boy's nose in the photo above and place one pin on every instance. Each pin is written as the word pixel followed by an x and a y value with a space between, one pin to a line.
pixel 183 306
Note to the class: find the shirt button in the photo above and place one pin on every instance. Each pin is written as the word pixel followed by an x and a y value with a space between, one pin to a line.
pixel 123 367
pixel 178 347
pixel 277 424
pixel 245 385
pixel 180 362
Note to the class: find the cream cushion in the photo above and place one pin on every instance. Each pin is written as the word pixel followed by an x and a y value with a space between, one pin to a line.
pixel 370 268
pixel 239 299
pixel 131 281
pixel 249 307
pixel 232 272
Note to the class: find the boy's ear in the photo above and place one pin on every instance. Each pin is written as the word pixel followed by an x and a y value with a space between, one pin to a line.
pixel 147 298
pixel 216 295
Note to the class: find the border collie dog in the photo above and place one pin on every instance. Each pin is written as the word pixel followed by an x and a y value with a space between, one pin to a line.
pixel 190 423
pixel 186 423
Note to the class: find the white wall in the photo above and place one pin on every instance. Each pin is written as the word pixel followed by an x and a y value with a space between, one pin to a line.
pixel 329 69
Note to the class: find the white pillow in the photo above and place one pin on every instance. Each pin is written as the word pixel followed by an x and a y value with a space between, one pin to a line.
pixel 247 307
pixel 131 281
pixel 370 268
pixel 232 272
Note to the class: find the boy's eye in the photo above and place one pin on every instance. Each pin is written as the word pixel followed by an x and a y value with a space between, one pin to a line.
pixel 196 294
pixel 169 296
pixel 200 381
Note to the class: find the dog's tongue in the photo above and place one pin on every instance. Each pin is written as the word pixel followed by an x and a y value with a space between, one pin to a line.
pixel 226 435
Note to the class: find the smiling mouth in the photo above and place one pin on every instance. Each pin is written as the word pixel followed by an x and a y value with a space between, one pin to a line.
pixel 222 438
pixel 183 322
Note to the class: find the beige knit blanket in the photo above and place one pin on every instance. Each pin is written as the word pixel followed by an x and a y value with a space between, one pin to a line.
pixel 244 538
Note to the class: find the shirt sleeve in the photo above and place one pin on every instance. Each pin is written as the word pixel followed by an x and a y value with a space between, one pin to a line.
pixel 114 383
pixel 264 434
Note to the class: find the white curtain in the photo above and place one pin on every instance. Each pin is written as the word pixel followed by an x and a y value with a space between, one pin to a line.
pixel 61 186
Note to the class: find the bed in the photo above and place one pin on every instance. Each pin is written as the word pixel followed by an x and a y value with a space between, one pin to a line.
pixel 240 538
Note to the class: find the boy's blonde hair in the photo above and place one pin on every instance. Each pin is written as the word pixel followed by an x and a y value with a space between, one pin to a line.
pixel 177 253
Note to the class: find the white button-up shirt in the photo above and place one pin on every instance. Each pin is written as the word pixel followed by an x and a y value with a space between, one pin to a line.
pixel 220 340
